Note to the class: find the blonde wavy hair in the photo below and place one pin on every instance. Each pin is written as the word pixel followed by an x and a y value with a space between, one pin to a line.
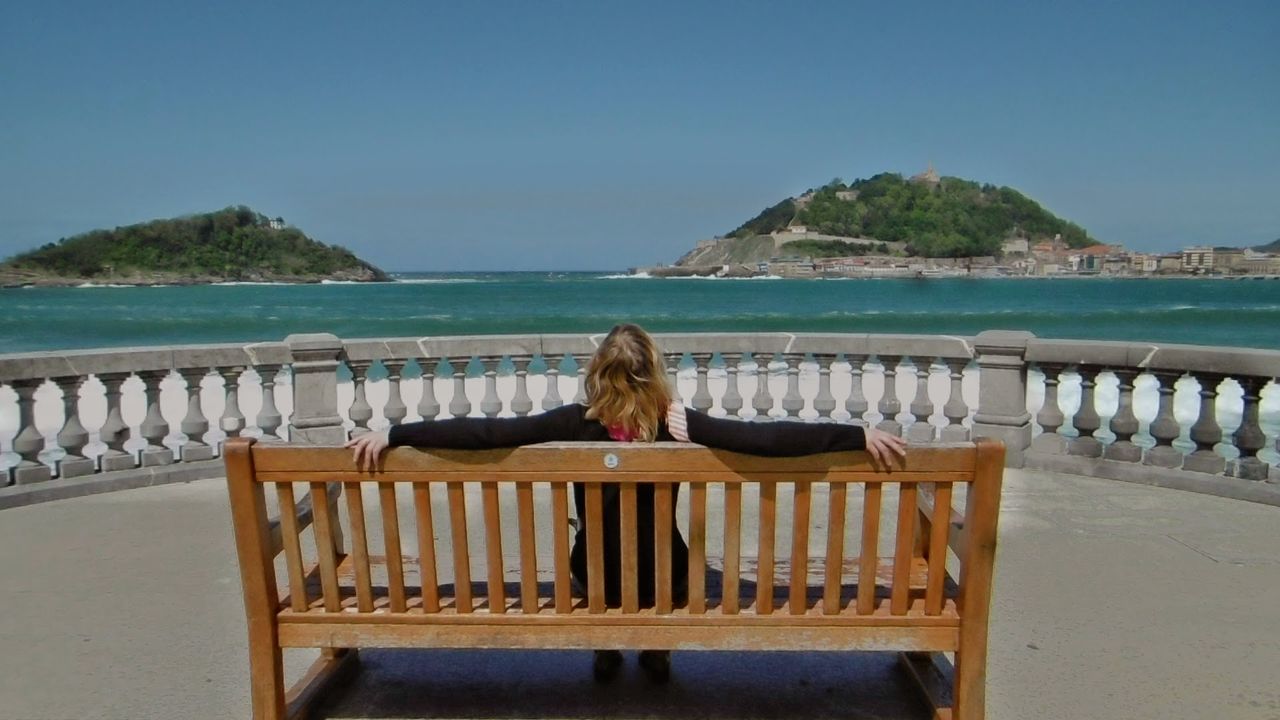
pixel 627 384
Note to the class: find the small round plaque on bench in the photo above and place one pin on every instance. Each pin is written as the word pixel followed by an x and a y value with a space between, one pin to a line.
pixel 611 461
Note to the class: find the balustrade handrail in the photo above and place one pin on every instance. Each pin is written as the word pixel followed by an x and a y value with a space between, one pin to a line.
pixel 921 386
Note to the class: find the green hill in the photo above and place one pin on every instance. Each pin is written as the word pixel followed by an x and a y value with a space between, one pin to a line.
pixel 934 217
pixel 1271 247
pixel 236 243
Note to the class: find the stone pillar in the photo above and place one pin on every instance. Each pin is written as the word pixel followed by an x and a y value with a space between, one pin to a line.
pixel 360 411
pixel 673 374
pixel 1165 427
pixel 856 404
pixel 1050 417
pixel 1249 438
pixel 702 395
pixel 1086 421
pixel 824 402
pixel 1124 424
pixel 521 403
pixel 580 362
pixel 1206 433
pixel 1002 391
pixel 793 401
pixel 890 405
pixel 551 399
pixel 114 431
pixel 956 410
pixel 460 404
pixel 232 420
pixel 921 405
pixel 154 427
pixel 269 418
pixel 428 406
pixel 73 436
pixel 29 442
pixel 395 410
pixel 732 400
pixel 315 418
pixel 194 425
pixel 491 404
pixel 763 399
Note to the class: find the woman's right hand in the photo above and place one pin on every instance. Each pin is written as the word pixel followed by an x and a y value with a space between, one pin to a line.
pixel 883 446
pixel 368 448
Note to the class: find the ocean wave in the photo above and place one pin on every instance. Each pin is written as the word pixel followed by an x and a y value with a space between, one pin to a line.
pixel 627 276
pixel 439 281
pixel 104 285
pixel 237 283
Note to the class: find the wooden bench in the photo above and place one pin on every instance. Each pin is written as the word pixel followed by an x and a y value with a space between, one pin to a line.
pixel 881 580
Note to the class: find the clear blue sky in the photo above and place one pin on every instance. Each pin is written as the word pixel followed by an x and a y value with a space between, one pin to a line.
pixel 555 135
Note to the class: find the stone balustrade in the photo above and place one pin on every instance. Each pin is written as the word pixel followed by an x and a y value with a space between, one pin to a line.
pixel 1194 417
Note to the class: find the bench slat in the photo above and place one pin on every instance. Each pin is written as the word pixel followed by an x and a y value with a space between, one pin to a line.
pixel 799 549
pixel 493 547
pixel 903 549
pixel 595 547
pixel 732 548
pixel 621 477
pixel 323 526
pixel 629 529
pixel 768 526
pixel 359 546
pixel 560 540
pixel 697 547
pixel 663 513
pixel 528 549
pixel 867 552
pixel 836 500
pixel 426 546
pixel 461 550
pixel 391 545
pixel 292 547
pixel 940 527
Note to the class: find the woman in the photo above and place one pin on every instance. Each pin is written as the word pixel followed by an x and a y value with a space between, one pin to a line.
pixel 628 400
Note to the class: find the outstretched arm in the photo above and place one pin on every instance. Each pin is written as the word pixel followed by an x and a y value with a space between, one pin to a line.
pixel 563 423
pixel 781 439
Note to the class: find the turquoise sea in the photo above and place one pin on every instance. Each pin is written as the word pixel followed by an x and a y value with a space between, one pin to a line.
pixel 1206 312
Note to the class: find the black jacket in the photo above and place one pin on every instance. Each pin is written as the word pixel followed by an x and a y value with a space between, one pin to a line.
pixel 569 423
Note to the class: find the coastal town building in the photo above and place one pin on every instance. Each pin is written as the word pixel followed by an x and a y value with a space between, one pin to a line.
pixel 1197 259
pixel 1015 246
pixel 928 177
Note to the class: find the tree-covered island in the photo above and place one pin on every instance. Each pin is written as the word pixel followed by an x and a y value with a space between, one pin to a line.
pixel 233 244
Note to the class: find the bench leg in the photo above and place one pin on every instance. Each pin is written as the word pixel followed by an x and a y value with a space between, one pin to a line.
pixel 933 676
pixel 971 680
pixel 266 676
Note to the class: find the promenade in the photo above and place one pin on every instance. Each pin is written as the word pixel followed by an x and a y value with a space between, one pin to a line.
pixel 1112 600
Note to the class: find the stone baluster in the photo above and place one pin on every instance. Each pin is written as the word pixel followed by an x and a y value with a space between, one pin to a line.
pixel 732 400
pixel 763 399
pixel 921 405
pixel 673 372
pixel 269 418
pixel 1164 428
pixel 1249 438
pixel 1124 423
pixel 824 402
pixel 232 421
pixel 702 396
pixel 1206 433
pixel 491 404
pixel 29 443
pixel 395 409
pixel 1050 417
pixel 460 404
pixel 1086 420
pixel 581 361
pixel 114 430
pixel 521 403
pixel 793 401
pixel 194 424
pixel 360 412
pixel 428 406
pixel 154 428
pixel 73 436
pixel 956 409
pixel 856 404
pixel 890 405
pixel 551 399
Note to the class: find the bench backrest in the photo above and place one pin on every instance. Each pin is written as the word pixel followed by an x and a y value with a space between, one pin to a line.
pixel 906 515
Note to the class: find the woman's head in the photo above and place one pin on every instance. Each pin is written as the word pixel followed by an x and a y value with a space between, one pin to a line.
pixel 626 383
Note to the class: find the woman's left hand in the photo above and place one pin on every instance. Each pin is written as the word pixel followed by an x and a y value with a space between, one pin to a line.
pixel 883 446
